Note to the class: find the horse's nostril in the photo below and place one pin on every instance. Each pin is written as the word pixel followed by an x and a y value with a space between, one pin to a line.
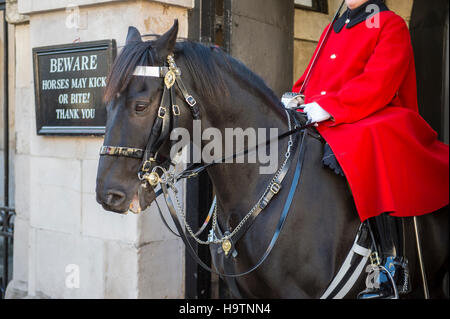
pixel 115 198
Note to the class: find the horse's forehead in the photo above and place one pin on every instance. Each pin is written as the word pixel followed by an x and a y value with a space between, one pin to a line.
pixel 138 84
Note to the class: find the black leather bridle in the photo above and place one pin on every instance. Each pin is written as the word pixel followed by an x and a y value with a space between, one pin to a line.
pixel 165 122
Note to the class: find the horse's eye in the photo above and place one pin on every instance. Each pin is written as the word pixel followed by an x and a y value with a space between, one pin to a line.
pixel 141 107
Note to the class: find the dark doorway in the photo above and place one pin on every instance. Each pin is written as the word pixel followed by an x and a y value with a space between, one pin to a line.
pixel 209 23
pixel 260 34
pixel 429 34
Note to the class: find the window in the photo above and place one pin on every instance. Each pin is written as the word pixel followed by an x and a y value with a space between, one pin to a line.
pixel 313 5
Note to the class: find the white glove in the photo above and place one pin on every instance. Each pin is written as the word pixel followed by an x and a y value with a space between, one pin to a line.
pixel 315 113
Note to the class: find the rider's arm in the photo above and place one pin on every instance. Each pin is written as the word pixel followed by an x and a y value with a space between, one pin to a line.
pixel 383 74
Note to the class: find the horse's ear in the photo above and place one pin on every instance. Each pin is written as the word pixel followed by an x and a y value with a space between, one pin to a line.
pixel 166 43
pixel 133 35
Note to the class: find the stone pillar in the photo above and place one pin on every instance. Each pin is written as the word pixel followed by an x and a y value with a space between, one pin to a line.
pixel 262 38
pixel 60 231
pixel 308 27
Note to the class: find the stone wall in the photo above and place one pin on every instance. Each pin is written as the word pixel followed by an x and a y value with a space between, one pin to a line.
pixel 267 26
pixel 310 25
pixel 60 230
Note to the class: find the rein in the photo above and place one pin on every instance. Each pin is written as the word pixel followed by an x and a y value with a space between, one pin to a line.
pixel 195 169
pixel 227 242
pixel 165 121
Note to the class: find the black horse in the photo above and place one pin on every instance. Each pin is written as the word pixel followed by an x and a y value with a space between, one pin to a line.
pixel 323 220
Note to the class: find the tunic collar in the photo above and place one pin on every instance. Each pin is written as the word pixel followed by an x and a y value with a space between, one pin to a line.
pixel 358 15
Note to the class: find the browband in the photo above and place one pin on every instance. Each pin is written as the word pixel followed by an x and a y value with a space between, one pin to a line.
pixel 151 71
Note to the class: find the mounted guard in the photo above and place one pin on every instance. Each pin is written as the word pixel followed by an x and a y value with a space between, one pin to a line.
pixel 360 87
pixel 157 86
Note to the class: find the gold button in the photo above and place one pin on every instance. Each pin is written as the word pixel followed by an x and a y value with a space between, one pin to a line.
pixel 323 92
pixel 333 56
pixel 347 21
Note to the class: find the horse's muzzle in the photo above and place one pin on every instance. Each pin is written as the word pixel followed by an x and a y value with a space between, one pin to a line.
pixel 114 201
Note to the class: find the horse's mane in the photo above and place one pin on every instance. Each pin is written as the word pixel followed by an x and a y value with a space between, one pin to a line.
pixel 206 64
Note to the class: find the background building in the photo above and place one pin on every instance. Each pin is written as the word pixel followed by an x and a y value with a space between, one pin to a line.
pixel 60 232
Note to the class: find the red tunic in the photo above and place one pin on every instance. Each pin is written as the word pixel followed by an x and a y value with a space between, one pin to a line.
pixel 365 78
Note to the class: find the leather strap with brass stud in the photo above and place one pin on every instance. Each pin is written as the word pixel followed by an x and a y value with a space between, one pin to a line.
pixel 153 178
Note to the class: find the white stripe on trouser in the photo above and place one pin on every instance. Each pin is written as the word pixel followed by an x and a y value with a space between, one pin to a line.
pixel 349 284
pixel 344 268
pixel 365 253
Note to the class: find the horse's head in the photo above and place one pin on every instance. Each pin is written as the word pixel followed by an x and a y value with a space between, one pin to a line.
pixel 133 109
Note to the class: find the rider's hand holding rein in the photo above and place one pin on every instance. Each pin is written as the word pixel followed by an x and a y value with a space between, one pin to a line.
pixel 315 113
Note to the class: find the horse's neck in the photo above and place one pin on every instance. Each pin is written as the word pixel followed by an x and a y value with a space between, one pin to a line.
pixel 239 186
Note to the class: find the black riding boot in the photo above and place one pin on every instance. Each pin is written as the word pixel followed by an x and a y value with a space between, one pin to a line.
pixel 390 275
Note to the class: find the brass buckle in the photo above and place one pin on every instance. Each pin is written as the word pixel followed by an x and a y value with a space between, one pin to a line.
pixel 161 112
pixel 176 110
pixel 375 259
pixel 275 188
pixel 147 164
pixel 190 100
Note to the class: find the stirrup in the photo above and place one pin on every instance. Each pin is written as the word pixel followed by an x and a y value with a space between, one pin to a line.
pixel 387 280
pixel 404 283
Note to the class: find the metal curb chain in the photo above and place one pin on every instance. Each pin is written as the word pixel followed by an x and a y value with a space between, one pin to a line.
pixel 212 237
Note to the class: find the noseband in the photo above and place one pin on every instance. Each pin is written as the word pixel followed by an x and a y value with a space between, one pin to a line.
pixel 165 122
